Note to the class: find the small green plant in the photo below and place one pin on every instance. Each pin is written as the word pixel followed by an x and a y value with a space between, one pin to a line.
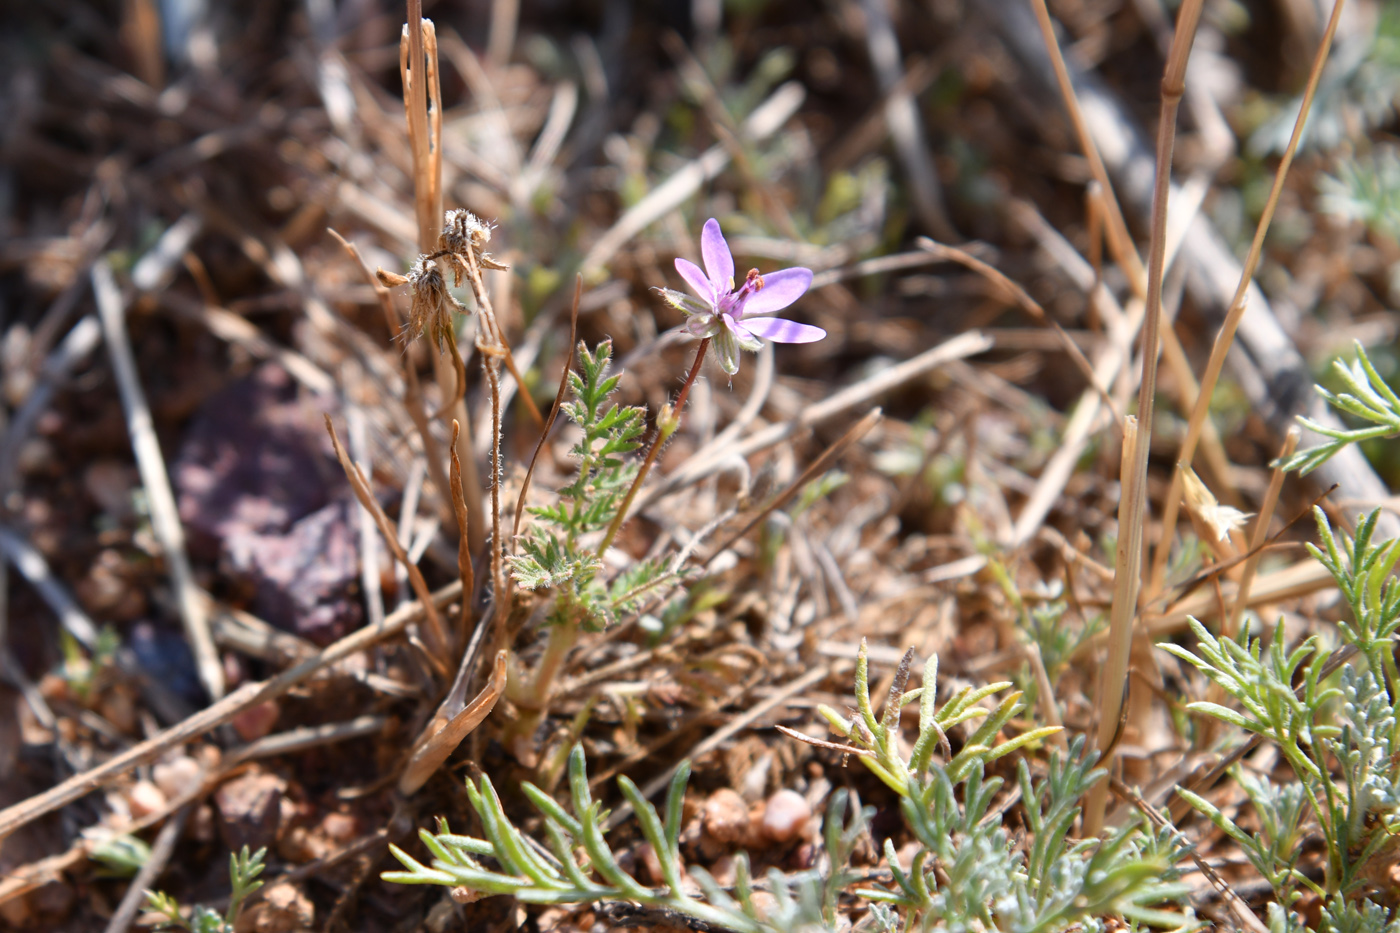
pixel 1367 397
pixel 577 866
pixel 121 856
pixel 243 870
pixel 561 551
pixel 1338 734
pixel 876 740
pixel 1366 188
pixel 967 874
pixel 557 552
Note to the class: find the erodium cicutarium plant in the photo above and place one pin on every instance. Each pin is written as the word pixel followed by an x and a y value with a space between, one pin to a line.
pixel 738 315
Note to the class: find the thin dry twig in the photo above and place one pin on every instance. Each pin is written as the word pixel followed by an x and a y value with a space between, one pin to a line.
pixel 1238 907
pixel 161 851
pixel 723 734
pixel 437 635
pixel 766 119
pixel 1133 508
pixel 902 118
pixel 814 469
pixel 165 517
pixel 1200 414
pixel 1261 532
pixel 465 572
pixel 705 462
pixel 553 411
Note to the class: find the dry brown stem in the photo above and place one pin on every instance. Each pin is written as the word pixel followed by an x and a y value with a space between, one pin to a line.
pixel 1133 508
pixel 465 572
pixel 438 640
pixel 814 469
pixel 553 411
pixel 1200 414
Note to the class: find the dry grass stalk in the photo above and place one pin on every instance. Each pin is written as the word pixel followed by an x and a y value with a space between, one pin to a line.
pixel 418 67
pixel 464 552
pixel 1132 515
pixel 413 395
pixel 813 470
pixel 1238 907
pixel 707 461
pixel 723 734
pixel 1120 243
pixel 418 53
pixel 165 516
pixel 1028 304
pixel 553 411
pixel 1200 414
pixel 1105 214
pixel 491 346
pixel 1261 533
pixel 135 897
pixel 438 640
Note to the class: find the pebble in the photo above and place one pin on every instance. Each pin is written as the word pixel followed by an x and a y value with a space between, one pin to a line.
pixel 786 816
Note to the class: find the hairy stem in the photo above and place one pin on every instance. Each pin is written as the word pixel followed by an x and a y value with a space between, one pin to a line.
pixel 665 427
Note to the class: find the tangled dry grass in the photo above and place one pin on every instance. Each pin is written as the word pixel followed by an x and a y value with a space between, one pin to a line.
pixel 223 627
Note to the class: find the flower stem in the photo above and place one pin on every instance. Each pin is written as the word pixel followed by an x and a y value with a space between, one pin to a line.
pixel 666 425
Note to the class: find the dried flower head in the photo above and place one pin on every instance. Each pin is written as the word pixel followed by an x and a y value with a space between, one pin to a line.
pixel 1203 507
pixel 738 317
pixel 432 304
pixel 462 233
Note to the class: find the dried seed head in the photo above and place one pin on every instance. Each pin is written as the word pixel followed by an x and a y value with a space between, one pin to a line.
pixel 464 233
pixel 463 230
pixel 432 307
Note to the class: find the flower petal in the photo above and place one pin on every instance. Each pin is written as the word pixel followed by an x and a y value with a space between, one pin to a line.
pixel 742 334
pixel 696 279
pixel 719 262
pixel 780 331
pixel 779 290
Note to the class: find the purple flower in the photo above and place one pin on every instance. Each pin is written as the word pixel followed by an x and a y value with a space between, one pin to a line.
pixel 738 317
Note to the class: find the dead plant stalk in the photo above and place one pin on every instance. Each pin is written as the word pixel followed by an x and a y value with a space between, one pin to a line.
pixel 1201 412
pixel 1133 510
pixel 422 99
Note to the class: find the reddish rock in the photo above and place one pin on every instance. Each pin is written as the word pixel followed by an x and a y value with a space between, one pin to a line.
pixel 250 810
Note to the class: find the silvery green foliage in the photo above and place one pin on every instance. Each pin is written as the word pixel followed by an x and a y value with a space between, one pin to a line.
pixel 1274 848
pixel 579 867
pixel 1343 915
pixel 1366 188
pixel 967 876
pixel 1366 396
pixel 1055 884
pixel 1359 87
pixel 243 871
pixel 553 553
pixel 1339 735
pixel 1363 572
pixel 876 740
